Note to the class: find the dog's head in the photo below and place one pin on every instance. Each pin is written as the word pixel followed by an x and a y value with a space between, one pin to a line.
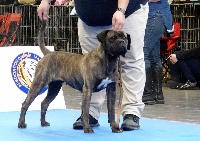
pixel 114 42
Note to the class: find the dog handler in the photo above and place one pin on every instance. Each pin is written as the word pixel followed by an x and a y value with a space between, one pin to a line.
pixel 131 17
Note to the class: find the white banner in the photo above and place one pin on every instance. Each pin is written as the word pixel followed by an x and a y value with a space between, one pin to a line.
pixel 17 67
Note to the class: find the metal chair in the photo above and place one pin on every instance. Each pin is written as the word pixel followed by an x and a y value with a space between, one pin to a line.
pixel 170 44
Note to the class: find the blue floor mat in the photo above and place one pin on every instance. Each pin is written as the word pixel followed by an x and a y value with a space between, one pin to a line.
pixel 61 129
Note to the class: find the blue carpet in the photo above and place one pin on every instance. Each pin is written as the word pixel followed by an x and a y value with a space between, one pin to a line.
pixel 61 129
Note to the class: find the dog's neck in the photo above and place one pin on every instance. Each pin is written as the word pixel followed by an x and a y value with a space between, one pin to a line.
pixel 111 62
pixel 104 51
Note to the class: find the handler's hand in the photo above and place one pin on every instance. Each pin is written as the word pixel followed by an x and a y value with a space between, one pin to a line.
pixel 173 58
pixel 118 20
pixel 43 10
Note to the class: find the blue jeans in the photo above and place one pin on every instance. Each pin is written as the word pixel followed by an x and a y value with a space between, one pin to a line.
pixel 154 30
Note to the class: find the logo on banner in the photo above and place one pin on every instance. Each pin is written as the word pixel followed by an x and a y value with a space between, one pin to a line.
pixel 23 71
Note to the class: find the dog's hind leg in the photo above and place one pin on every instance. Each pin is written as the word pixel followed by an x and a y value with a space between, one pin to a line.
pixel 32 94
pixel 53 90
pixel 111 98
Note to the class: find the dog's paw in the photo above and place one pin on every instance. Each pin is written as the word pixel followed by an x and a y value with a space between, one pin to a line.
pixel 88 130
pixel 117 130
pixel 22 125
pixel 45 124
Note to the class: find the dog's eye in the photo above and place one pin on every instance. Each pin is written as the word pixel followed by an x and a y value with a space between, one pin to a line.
pixel 124 37
pixel 112 37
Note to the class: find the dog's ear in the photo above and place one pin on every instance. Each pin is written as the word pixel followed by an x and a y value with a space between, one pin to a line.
pixel 102 36
pixel 129 41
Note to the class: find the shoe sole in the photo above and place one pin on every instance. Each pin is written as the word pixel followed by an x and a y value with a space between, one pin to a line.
pixel 149 102
pixel 79 127
pixel 160 102
pixel 129 128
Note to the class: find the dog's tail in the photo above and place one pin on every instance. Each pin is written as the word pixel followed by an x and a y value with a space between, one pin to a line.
pixel 41 38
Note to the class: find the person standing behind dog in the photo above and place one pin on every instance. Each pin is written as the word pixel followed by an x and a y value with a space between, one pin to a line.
pixel 159 20
pixel 131 17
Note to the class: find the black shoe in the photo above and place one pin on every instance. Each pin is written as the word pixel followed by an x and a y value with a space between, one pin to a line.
pixel 79 124
pixel 160 99
pixel 189 86
pixel 148 99
pixel 130 122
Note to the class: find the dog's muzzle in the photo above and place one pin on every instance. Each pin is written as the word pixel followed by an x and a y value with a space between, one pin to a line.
pixel 122 47
pixel 122 51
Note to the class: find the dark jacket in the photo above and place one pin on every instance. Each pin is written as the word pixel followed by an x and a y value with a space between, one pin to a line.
pixel 100 12
pixel 192 53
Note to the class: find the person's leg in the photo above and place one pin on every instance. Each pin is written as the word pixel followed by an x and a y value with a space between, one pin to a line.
pixel 190 71
pixel 158 74
pixel 174 72
pixel 153 33
pixel 133 70
pixel 185 69
pixel 158 69
pixel 194 65
pixel 88 41
pixel 148 97
pixel 175 75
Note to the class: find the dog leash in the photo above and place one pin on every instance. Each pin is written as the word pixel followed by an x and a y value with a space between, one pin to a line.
pixel 120 95
pixel 120 84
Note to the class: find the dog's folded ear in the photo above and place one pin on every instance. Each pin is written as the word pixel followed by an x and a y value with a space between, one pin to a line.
pixel 102 36
pixel 129 41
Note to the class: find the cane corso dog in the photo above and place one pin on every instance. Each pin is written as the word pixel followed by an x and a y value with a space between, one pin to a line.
pixel 88 73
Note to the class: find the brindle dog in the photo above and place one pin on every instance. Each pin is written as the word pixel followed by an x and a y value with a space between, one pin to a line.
pixel 88 73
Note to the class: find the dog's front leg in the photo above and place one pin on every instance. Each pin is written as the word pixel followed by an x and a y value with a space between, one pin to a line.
pixel 111 98
pixel 85 109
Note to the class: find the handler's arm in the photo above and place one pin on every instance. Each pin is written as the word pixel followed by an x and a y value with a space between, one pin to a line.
pixel 43 10
pixel 118 19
